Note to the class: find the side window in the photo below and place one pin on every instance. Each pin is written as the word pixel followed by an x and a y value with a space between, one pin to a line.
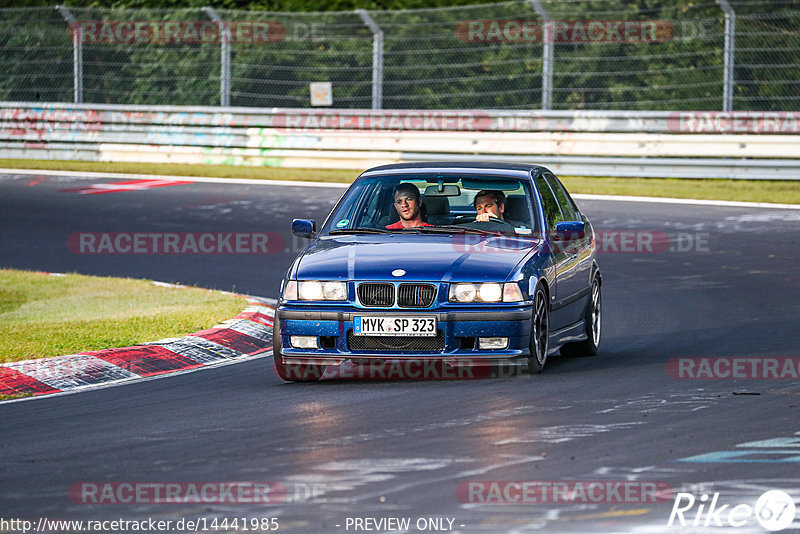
pixel 367 208
pixel 358 207
pixel 568 207
pixel 551 210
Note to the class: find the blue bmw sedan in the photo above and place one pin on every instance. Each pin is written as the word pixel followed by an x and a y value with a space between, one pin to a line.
pixel 454 264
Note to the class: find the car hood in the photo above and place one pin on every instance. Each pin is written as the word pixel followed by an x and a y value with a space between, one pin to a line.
pixel 423 257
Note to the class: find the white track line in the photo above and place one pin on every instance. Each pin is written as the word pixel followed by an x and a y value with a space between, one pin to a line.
pixel 200 179
pixel 690 201
pixel 339 185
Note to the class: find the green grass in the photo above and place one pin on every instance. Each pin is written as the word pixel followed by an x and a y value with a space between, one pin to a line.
pixel 17 396
pixel 178 169
pixel 43 315
pixel 776 191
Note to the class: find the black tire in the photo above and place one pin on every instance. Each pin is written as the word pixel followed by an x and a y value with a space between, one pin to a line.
pixel 540 331
pixel 592 320
pixel 293 373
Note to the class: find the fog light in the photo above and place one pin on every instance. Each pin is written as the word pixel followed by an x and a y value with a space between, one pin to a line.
pixel 304 342
pixel 486 343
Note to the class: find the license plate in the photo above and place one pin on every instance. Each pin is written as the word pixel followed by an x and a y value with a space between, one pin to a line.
pixel 394 326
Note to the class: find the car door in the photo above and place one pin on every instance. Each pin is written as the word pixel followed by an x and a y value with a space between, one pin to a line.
pixel 559 291
pixel 573 274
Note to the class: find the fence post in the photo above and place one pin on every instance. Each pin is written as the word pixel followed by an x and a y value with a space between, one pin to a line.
pixel 547 54
pixel 730 34
pixel 377 58
pixel 77 53
pixel 225 57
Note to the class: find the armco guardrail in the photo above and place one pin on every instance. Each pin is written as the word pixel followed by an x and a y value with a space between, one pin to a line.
pixel 623 143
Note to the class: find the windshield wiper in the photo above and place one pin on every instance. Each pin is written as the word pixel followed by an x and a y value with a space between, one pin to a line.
pixel 359 231
pixel 449 229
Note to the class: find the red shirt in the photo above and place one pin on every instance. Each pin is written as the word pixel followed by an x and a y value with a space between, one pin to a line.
pixel 399 225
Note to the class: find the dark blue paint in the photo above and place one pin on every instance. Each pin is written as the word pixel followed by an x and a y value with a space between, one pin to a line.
pixel 538 257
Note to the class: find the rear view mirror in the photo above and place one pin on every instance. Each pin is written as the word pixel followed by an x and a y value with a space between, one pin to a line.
pixel 442 190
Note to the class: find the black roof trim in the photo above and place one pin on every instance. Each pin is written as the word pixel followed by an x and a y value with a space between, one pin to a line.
pixel 460 165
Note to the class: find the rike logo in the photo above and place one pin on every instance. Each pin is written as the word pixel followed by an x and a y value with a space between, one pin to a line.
pixel 774 510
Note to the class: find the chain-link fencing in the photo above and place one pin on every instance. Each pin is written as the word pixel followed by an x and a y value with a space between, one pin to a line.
pixel 524 54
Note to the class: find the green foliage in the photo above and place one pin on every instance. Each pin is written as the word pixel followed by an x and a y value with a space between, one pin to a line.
pixel 427 63
pixel 251 5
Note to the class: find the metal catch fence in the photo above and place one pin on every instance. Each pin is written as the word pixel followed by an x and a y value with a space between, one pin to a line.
pixel 525 54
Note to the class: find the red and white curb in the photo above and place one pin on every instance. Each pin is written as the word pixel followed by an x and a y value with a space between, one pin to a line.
pixel 247 335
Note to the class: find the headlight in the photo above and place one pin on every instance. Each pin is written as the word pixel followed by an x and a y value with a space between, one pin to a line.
pixel 485 292
pixel 313 290
pixel 490 292
pixel 463 293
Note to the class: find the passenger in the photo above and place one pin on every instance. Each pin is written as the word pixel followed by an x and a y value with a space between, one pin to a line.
pixel 490 203
pixel 408 203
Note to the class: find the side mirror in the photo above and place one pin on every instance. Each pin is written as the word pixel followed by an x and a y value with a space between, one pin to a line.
pixel 569 230
pixel 304 227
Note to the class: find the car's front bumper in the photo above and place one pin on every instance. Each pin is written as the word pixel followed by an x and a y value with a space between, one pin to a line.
pixel 460 330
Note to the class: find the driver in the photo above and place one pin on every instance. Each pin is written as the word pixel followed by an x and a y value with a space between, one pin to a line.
pixel 490 203
pixel 408 203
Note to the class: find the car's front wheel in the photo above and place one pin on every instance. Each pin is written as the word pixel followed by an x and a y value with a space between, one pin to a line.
pixel 540 331
pixel 592 319
pixel 293 372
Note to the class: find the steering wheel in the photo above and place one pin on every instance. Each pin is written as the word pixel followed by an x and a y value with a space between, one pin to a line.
pixel 462 219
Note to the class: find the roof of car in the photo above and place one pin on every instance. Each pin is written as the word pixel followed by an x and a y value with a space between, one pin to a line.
pixel 457 165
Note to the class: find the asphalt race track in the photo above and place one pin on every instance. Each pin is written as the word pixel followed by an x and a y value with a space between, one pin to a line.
pixel 720 282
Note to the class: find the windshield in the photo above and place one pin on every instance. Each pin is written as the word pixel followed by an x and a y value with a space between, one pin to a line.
pixel 435 203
